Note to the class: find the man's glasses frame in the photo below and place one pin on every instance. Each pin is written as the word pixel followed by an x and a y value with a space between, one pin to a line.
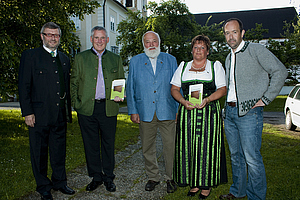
pixel 51 35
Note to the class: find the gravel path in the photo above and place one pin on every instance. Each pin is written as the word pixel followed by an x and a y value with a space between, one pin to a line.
pixel 130 179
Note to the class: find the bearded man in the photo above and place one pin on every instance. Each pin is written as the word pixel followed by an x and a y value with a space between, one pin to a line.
pixel 151 105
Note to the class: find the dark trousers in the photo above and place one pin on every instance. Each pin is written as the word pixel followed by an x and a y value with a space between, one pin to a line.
pixel 53 137
pixel 95 128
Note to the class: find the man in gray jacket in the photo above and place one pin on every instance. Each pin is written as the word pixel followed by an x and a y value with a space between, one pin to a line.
pixel 254 77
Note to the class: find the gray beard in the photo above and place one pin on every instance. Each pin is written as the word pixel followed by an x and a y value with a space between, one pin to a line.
pixel 152 53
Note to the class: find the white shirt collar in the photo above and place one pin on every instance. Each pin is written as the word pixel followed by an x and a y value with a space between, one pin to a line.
pixel 239 47
pixel 49 50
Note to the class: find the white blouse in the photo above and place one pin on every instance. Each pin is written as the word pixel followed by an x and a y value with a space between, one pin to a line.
pixel 204 75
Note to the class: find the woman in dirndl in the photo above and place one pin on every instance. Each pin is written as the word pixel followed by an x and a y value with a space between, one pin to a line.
pixel 199 151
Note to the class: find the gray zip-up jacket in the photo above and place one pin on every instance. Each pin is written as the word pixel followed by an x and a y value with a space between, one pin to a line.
pixel 258 75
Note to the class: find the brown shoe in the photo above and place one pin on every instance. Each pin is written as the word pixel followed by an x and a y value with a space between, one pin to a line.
pixel 229 196
pixel 151 185
pixel 171 186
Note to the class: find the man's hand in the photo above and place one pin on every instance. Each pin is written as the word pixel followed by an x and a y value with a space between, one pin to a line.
pixel 260 103
pixel 118 99
pixel 135 118
pixel 30 120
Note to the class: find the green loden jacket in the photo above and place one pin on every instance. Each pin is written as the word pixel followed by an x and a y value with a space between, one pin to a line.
pixel 84 79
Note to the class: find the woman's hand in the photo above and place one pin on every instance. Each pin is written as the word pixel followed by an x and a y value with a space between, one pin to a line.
pixel 204 102
pixel 188 105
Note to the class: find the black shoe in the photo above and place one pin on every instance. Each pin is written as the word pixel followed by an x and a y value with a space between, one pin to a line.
pixel 192 194
pixel 46 195
pixel 66 190
pixel 110 186
pixel 151 185
pixel 201 196
pixel 171 186
pixel 93 185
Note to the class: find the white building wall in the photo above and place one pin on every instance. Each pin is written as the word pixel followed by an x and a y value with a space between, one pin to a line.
pixel 102 17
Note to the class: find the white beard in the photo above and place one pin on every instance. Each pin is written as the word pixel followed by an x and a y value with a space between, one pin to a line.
pixel 152 53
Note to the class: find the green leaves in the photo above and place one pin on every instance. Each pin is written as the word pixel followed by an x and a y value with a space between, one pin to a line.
pixel 20 25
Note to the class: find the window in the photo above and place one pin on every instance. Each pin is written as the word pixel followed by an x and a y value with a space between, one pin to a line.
pixel 76 22
pixel 129 3
pixel 112 23
pixel 115 49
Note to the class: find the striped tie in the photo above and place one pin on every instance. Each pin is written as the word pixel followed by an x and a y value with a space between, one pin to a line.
pixel 52 53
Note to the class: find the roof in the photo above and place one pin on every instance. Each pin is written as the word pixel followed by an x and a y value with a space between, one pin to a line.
pixel 272 19
pixel 117 2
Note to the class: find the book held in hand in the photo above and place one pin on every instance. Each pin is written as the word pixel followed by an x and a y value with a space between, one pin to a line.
pixel 117 89
pixel 196 94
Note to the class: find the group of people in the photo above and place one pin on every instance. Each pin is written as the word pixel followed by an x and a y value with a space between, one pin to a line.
pixel 158 99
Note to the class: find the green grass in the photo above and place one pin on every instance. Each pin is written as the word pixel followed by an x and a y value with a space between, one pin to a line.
pixel 280 150
pixel 281 155
pixel 277 105
pixel 16 174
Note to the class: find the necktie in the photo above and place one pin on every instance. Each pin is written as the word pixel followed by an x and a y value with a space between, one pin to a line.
pixel 52 53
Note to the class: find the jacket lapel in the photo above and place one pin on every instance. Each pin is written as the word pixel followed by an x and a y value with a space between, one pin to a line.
pixel 159 66
pixel 148 66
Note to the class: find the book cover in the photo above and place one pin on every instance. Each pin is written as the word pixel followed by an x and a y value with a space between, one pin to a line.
pixel 196 94
pixel 117 89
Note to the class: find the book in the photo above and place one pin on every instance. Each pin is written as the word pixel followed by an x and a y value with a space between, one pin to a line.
pixel 196 93
pixel 117 89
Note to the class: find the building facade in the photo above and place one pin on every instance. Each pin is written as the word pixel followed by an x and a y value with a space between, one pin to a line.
pixel 108 16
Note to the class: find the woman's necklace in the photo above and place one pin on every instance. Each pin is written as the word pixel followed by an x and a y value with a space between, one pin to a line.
pixel 200 68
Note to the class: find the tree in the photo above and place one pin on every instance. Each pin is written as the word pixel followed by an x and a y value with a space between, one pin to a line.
pixel 171 20
pixel 20 24
pixel 256 34
pixel 288 51
pixel 219 49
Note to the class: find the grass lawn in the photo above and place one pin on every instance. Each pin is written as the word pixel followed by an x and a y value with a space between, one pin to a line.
pixel 280 150
pixel 16 173
pixel 281 155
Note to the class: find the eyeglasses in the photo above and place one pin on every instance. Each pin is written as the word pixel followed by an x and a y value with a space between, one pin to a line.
pixel 51 35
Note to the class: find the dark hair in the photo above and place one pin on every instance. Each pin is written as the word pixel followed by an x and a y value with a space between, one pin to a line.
pixel 234 19
pixel 98 28
pixel 202 38
pixel 50 25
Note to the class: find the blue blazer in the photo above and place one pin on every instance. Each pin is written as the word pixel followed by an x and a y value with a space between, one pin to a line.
pixel 148 93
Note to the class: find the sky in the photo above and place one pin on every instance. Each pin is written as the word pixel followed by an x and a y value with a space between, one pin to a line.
pixel 211 6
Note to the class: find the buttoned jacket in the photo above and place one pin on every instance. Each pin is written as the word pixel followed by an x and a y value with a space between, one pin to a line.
pixel 147 92
pixel 39 85
pixel 258 74
pixel 84 79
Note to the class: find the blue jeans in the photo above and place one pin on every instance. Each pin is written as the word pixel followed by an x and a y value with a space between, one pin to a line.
pixel 244 139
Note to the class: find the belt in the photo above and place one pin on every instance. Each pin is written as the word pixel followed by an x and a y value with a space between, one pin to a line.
pixel 232 104
pixel 99 100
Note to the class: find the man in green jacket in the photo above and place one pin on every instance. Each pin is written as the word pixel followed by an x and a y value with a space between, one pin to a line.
pixel 91 80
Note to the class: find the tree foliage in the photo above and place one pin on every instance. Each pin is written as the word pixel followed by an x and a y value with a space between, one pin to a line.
pixel 219 49
pixel 288 51
pixel 256 34
pixel 171 20
pixel 20 25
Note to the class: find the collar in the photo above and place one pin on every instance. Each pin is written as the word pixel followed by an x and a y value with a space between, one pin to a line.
pixel 239 47
pixel 97 53
pixel 49 50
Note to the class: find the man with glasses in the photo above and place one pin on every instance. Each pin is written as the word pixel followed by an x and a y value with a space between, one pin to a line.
pixel 91 80
pixel 44 93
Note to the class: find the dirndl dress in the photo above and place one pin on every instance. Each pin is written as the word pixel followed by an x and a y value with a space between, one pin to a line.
pixel 199 148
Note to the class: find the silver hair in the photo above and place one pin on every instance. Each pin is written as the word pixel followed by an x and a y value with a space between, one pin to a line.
pixel 98 28
pixel 151 32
